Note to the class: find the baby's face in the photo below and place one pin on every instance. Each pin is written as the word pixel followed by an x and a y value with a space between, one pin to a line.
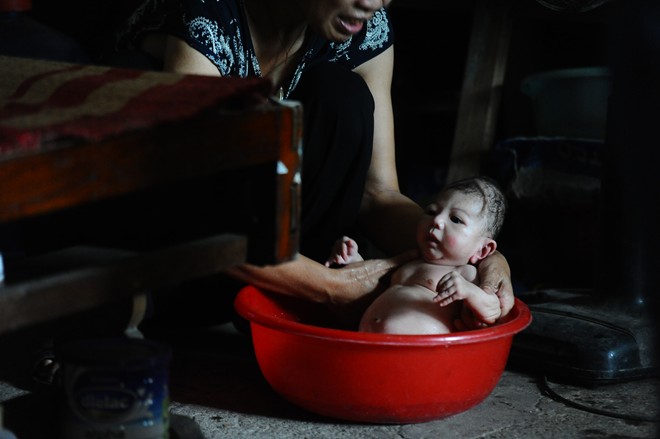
pixel 452 229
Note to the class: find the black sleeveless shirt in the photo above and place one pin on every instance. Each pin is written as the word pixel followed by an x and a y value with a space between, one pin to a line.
pixel 218 29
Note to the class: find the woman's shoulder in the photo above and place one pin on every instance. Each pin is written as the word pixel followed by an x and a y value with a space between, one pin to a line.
pixel 187 19
pixel 469 272
pixel 218 30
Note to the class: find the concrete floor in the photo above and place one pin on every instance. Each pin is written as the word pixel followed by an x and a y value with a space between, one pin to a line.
pixel 217 391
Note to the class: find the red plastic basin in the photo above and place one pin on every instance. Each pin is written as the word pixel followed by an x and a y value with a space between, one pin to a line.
pixel 375 378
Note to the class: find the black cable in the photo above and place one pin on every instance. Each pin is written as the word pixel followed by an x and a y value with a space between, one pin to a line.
pixel 542 381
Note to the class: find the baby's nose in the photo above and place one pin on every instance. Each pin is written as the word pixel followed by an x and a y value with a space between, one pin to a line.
pixel 438 224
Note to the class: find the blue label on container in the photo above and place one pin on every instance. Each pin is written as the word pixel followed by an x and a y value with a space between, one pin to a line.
pixel 106 403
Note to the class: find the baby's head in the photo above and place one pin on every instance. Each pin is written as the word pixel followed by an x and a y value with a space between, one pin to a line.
pixel 494 203
pixel 462 222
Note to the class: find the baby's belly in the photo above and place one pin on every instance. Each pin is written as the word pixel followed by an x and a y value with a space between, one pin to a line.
pixel 408 310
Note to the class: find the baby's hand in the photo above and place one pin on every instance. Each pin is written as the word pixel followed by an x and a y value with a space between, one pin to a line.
pixel 344 251
pixel 483 307
pixel 452 287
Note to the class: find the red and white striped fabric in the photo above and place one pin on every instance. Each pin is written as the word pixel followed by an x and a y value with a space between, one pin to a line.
pixel 42 101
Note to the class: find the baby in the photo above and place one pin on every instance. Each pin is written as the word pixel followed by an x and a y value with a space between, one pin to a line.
pixel 439 293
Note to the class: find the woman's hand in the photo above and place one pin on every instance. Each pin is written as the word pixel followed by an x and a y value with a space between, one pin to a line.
pixel 495 277
pixel 360 283
pixel 347 291
pixel 363 279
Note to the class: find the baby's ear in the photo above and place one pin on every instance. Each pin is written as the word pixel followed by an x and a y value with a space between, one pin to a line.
pixel 487 248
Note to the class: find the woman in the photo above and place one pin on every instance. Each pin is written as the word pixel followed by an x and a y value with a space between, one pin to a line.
pixel 336 57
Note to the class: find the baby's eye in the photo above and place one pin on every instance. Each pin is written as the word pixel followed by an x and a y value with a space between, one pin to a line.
pixel 431 211
pixel 456 220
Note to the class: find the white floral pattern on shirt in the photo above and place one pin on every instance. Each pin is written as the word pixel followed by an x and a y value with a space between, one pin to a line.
pixel 218 30
pixel 377 35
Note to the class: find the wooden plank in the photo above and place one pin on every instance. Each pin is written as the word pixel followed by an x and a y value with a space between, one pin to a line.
pixel 95 278
pixel 289 174
pixel 68 175
pixel 267 138
pixel 482 87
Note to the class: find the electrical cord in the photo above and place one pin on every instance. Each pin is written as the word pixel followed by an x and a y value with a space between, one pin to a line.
pixel 542 382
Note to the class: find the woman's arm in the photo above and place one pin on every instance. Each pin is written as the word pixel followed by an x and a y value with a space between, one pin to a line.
pixel 310 280
pixel 181 58
pixel 347 291
pixel 387 217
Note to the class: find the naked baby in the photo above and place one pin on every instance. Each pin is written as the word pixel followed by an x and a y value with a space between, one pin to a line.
pixel 439 293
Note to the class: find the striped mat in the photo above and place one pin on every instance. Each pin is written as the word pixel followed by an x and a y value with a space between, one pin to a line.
pixel 44 101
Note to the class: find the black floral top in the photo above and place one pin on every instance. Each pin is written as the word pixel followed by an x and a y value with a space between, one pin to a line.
pixel 218 29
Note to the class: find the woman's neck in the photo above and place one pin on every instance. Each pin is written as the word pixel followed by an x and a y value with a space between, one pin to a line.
pixel 278 34
pixel 274 19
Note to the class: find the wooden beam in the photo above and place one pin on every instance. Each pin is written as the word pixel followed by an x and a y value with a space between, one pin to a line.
pixel 482 85
pixel 82 278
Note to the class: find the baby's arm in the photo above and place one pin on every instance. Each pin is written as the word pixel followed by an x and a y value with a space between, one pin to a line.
pixel 344 251
pixel 453 286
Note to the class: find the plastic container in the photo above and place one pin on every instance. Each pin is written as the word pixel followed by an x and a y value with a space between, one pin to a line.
pixel 376 378
pixel 115 388
pixel 570 102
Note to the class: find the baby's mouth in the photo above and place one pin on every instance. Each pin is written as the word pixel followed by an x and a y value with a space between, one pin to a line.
pixel 432 244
